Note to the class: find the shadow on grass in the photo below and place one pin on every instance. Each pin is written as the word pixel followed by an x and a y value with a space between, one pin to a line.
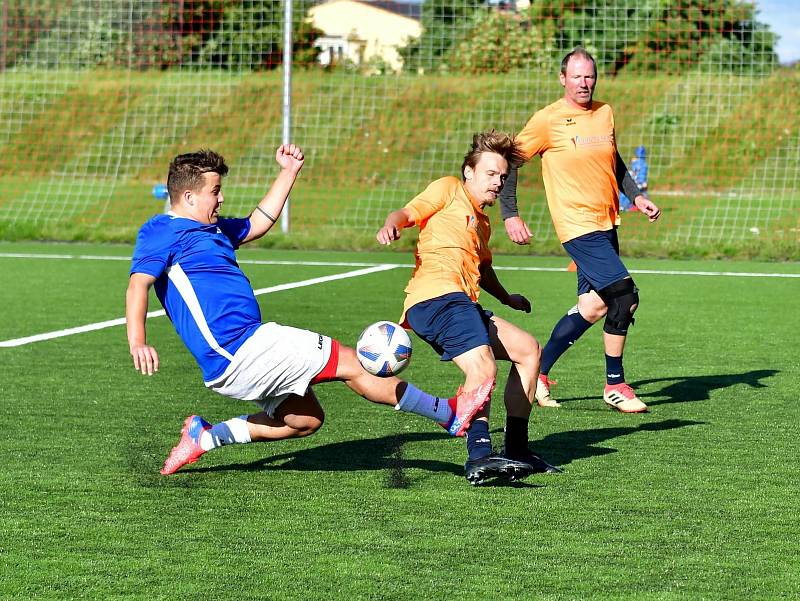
pixel 689 389
pixel 369 454
pixel 699 388
pixel 562 448
pixel 386 454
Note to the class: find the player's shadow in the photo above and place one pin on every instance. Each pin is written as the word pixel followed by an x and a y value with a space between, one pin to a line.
pixel 562 448
pixel 699 388
pixel 690 388
pixel 366 454
pixel 386 454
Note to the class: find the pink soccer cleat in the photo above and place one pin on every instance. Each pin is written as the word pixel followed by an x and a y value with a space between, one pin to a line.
pixel 465 406
pixel 188 449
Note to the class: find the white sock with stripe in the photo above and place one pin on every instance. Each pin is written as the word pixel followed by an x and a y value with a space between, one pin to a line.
pixel 416 401
pixel 232 431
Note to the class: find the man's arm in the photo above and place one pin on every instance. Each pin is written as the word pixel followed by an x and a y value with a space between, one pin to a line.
pixel 395 222
pixel 491 284
pixel 516 228
pixel 145 357
pixel 267 212
pixel 631 189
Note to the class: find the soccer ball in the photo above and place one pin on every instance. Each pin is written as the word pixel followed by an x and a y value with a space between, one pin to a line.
pixel 384 349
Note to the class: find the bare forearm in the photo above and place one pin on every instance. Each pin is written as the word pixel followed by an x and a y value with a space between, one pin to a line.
pixel 268 210
pixel 136 314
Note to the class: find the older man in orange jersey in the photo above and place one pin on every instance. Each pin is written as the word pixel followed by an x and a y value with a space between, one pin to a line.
pixel 453 263
pixel 583 174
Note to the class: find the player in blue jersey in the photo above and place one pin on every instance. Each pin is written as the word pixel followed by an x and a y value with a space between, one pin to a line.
pixel 188 256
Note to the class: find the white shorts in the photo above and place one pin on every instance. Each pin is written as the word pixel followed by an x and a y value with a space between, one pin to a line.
pixel 273 363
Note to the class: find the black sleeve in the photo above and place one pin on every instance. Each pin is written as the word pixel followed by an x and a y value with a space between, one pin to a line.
pixel 508 195
pixel 625 181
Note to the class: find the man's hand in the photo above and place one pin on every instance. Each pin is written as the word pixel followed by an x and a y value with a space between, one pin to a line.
pixel 289 156
pixel 388 234
pixel 647 207
pixel 394 224
pixel 145 358
pixel 518 230
pixel 519 302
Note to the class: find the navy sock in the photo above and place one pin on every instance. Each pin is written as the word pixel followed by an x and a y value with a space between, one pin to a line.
pixel 479 442
pixel 615 374
pixel 568 329
pixel 516 442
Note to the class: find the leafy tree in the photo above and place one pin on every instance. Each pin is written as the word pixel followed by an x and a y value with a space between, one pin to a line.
pixel 22 22
pixel 499 42
pixel 722 35
pixel 443 22
pixel 668 36
pixel 251 36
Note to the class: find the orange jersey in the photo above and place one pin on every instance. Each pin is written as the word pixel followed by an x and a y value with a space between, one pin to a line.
pixel 578 150
pixel 453 243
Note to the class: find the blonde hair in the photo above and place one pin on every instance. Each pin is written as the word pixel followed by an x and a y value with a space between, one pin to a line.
pixel 493 141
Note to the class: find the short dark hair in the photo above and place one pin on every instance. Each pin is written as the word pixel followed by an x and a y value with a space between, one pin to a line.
pixel 493 141
pixel 577 51
pixel 186 171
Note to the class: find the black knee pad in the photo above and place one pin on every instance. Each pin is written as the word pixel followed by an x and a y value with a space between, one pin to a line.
pixel 620 298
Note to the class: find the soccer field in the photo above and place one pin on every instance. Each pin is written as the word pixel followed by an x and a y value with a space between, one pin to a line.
pixel 696 499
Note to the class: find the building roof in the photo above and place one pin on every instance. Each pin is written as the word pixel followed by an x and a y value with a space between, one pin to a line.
pixel 412 10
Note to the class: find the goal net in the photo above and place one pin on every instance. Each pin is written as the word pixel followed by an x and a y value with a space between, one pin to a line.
pixel 97 96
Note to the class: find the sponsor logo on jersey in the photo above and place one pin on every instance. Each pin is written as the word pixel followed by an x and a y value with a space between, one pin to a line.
pixel 586 141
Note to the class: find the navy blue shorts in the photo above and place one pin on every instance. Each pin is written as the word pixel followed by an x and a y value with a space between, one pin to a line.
pixel 452 324
pixel 597 256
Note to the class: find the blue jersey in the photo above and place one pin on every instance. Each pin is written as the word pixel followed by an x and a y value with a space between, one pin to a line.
pixel 200 285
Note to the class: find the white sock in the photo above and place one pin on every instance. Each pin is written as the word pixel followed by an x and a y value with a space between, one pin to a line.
pixel 232 431
pixel 416 401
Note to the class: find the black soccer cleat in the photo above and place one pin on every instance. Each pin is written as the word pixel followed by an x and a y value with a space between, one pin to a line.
pixel 478 471
pixel 537 464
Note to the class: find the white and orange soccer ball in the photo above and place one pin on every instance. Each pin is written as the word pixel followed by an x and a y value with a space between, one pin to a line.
pixel 384 349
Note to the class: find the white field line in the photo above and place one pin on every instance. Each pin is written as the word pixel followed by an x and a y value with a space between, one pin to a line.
pixel 745 274
pixel 120 321
pixel 367 269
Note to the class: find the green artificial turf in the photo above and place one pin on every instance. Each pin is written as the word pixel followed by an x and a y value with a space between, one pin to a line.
pixel 694 500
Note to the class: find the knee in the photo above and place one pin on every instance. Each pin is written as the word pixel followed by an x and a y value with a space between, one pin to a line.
pixel 530 359
pixel 622 299
pixel 592 308
pixel 307 425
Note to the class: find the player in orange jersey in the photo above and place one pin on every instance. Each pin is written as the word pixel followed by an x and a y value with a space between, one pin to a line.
pixel 583 173
pixel 453 263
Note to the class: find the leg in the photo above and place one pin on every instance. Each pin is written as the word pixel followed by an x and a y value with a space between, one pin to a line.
pixel 510 343
pixel 513 344
pixel 589 309
pixel 296 416
pixel 454 414
pixel 622 299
